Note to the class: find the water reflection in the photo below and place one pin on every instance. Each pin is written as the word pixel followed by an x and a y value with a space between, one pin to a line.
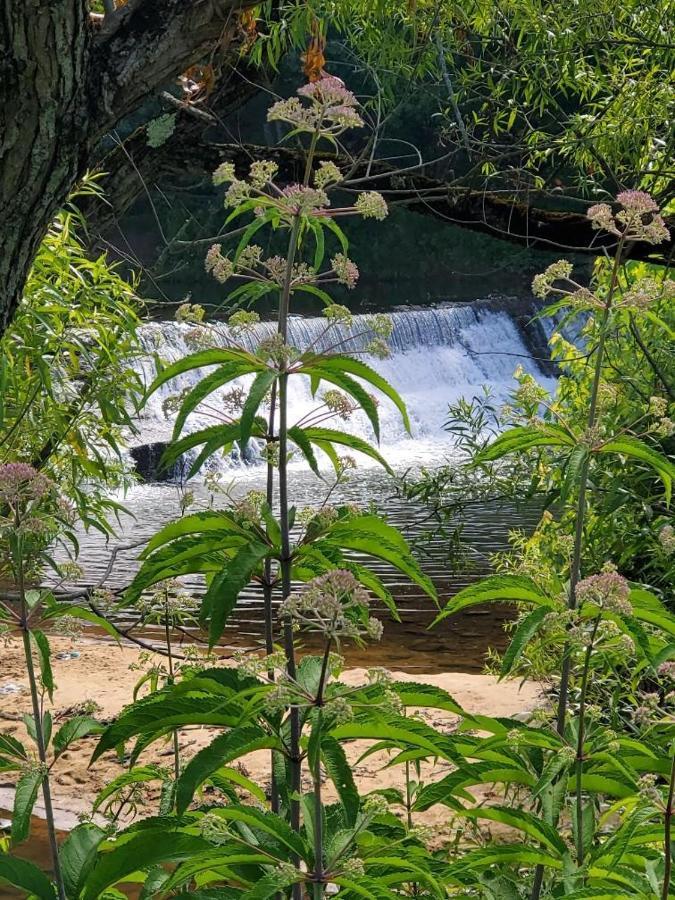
pixel 459 644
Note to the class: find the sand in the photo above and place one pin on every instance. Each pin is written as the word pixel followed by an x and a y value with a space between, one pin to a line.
pixel 104 673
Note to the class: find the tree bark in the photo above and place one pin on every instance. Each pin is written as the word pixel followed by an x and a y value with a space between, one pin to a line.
pixel 65 80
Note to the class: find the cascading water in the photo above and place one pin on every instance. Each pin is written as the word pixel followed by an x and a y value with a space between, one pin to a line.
pixel 437 356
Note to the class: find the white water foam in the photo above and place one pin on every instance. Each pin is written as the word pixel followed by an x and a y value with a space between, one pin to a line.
pixel 437 356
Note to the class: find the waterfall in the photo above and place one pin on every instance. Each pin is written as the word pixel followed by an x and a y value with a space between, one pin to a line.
pixel 437 356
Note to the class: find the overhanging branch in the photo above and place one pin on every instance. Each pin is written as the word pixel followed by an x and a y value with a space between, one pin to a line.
pixel 508 216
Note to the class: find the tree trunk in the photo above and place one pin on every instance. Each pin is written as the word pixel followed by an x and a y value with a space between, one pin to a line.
pixel 43 126
pixel 65 79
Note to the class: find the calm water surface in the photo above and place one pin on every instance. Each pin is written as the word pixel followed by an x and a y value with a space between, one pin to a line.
pixel 459 644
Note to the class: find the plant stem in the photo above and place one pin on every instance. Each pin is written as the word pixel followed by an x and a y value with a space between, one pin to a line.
pixel 318 816
pixel 267 588
pixel 668 823
pixel 316 778
pixel 174 733
pixel 295 757
pixel 289 644
pixel 575 570
pixel 581 735
pixel 39 736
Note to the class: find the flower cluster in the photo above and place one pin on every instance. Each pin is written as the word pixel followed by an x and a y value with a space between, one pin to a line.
pixel 647 291
pixel 338 403
pixel 335 605
pixel 667 538
pixel 262 172
pixel 21 484
pixel 638 218
pixel 275 350
pixel 338 315
pixel 331 109
pixel 168 602
pixel 221 267
pixel 608 590
pixel 190 312
pixel 243 321
pixel 248 509
pixel 667 670
pixel 345 270
pixel 542 284
pixel 327 174
pixel 224 174
pixel 371 205
pixel 658 406
pixel 301 200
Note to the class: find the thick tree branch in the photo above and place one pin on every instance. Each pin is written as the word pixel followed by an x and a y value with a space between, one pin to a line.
pixel 146 43
pixel 521 219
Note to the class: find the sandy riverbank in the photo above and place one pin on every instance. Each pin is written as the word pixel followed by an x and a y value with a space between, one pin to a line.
pixel 104 673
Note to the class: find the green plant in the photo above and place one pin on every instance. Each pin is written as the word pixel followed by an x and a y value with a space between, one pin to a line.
pixel 34 516
pixel 68 383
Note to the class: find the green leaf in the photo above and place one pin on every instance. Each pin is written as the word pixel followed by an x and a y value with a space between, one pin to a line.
pixel 77 855
pixel 140 852
pixel 26 877
pixel 524 437
pixel 223 592
pixel 197 523
pixel 366 373
pixel 301 440
pixel 372 535
pixel 261 384
pixel 223 749
pixel 56 610
pixel 426 696
pixel 573 469
pixel 24 800
pixel 333 226
pixel 214 437
pixel 340 773
pixel 636 449
pixel 522 821
pixel 206 386
pixel 271 885
pixel 495 589
pixel 267 822
pixel 213 357
pixel 166 710
pixel 521 638
pixel 44 659
pixel 322 436
pixel 10 746
pixel 352 387
pixel 73 730
pixel 138 775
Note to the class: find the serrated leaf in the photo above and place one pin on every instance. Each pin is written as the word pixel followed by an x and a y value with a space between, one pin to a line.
pixel 524 437
pixel 527 629
pixel 495 589
pixel 261 384
pixel 636 449
pixel 223 591
pixel 139 852
pixel 26 876
pixel 522 821
pixel 77 855
pixel 73 730
pixel 219 752
pixel 44 658
pixel 25 796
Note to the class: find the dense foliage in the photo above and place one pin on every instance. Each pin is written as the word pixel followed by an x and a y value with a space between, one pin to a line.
pixel 585 786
